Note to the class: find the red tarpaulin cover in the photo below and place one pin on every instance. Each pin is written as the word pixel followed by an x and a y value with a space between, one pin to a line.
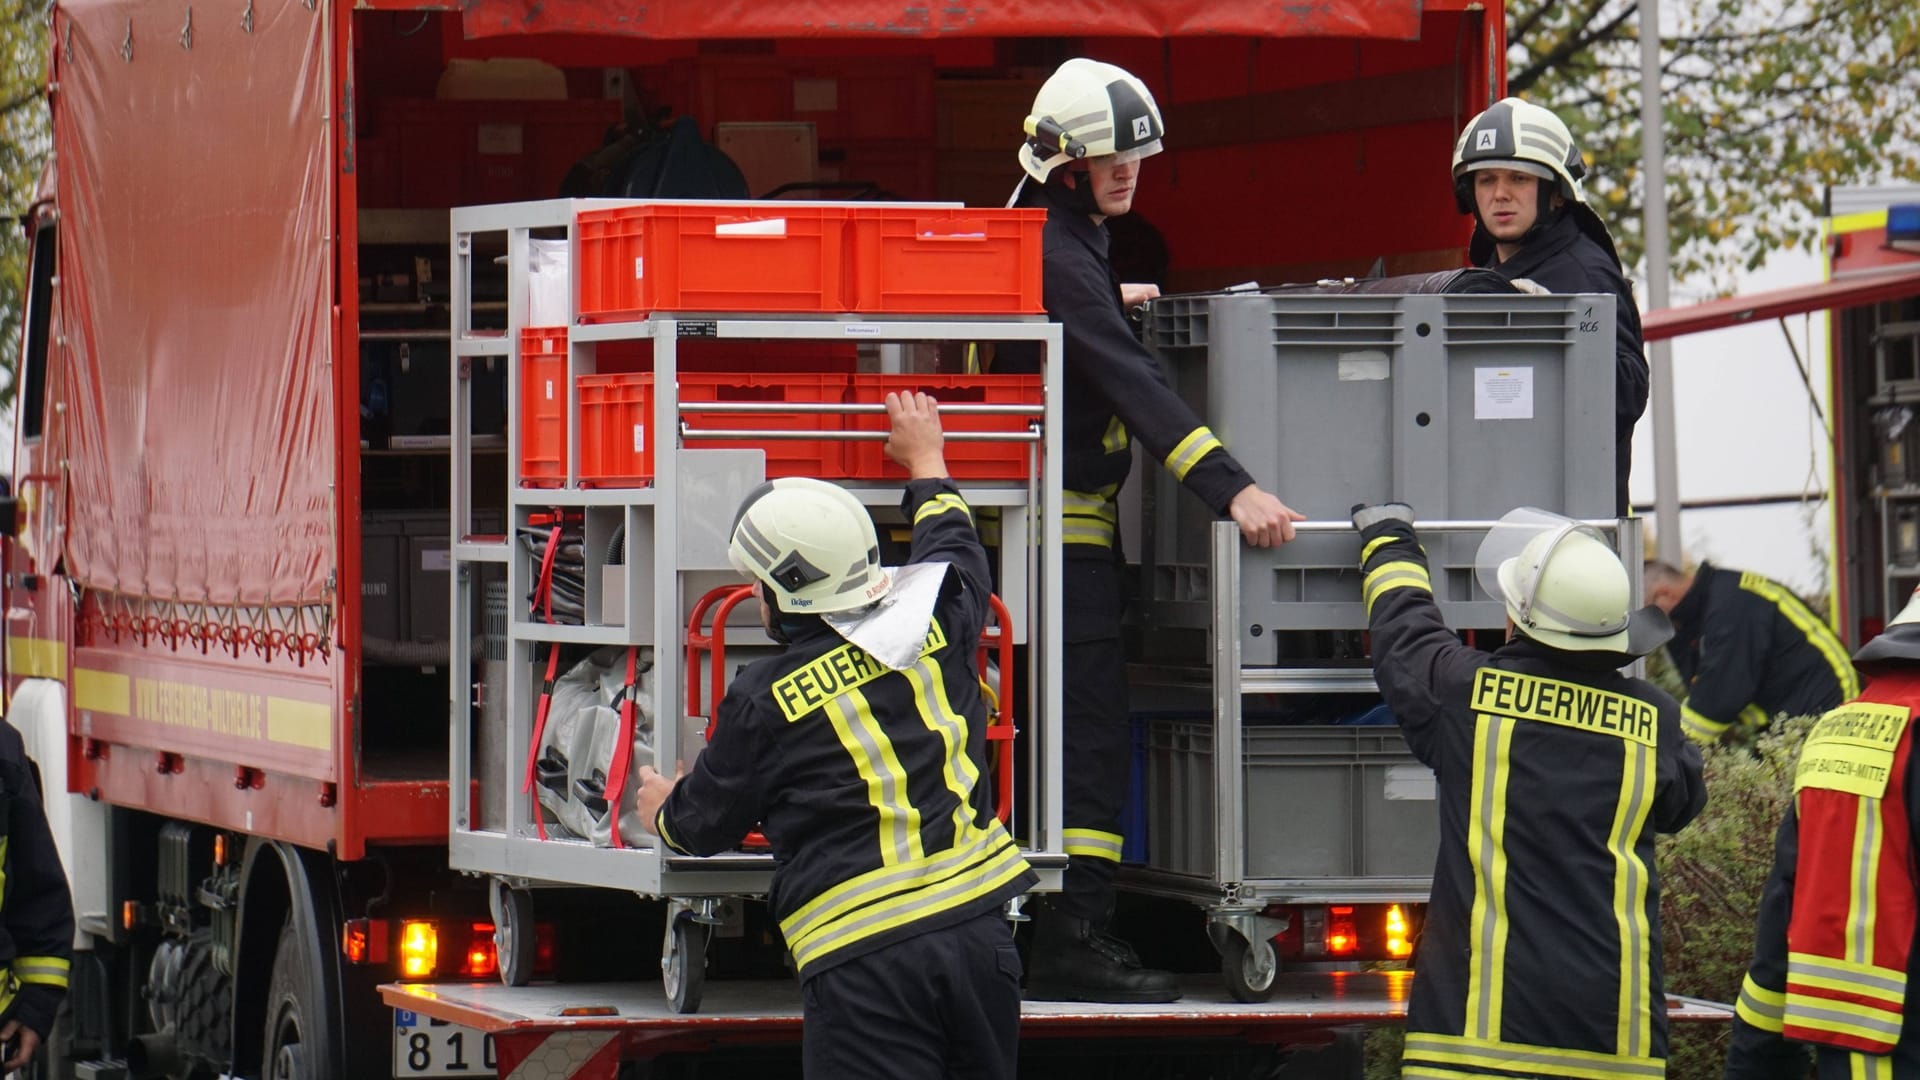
pixel 915 18
pixel 193 187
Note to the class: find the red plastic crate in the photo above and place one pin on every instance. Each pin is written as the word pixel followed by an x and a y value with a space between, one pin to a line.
pixel 543 406
pixel 965 460
pixel 636 260
pixel 959 262
pixel 823 458
pixel 616 412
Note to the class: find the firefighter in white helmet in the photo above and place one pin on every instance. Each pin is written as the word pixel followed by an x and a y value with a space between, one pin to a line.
pixel 1091 128
pixel 1518 171
pixel 1541 950
pixel 860 752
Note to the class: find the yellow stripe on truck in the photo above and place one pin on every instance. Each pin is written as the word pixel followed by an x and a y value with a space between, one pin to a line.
pixel 102 691
pixel 299 723
pixel 36 658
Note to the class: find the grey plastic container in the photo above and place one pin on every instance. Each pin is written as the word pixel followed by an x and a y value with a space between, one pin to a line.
pixel 383 576
pixel 1335 399
pixel 1324 805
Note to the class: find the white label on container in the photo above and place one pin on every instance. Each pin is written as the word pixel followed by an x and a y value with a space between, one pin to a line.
pixel 1503 393
pixel 1409 783
pixel 1367 365
pixel 862 330
pixel 639 438
pixel 549 389
pixel 639 267
pixel 760 227
pixel 502 139
pixel 437 560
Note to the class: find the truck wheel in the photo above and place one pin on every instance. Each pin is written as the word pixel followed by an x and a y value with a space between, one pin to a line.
pixel 514 937
pixel 684 968
pixel 1249 968
pixel 296 1037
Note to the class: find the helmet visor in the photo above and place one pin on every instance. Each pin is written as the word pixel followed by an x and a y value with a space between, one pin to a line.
pixel 1130 155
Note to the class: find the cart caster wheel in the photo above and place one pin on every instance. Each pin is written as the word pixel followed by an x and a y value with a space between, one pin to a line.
pixel 684 968
pixel 514 936
pixel 1249 968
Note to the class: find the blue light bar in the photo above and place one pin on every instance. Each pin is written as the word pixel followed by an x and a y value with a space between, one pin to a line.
pixel 1903 222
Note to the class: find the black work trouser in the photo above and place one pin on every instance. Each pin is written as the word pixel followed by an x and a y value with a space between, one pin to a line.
pixel 1097 738
pixel 943 1005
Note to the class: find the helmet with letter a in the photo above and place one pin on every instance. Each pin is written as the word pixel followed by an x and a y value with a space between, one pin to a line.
pixel 811 544
pixel 1089 109
pixel 1524 137
pixel 1565 586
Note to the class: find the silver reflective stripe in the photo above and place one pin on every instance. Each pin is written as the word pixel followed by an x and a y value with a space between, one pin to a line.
pixel 1802 963
pixel 1635 921
pixel 1507 1055
pixel 1760 1008
pixel 893 808
pixel 1884 1025
pixel 1863 900
pixel 1488 849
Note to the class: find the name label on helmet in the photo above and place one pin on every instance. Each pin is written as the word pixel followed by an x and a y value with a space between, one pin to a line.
pixel 1851 749
pixel 846 668
pixel 1550 701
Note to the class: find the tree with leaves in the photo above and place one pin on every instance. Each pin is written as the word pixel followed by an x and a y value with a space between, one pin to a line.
pixel 24 142
pixel 1767 103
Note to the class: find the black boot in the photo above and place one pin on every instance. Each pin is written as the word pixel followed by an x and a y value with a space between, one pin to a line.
pixel 1074 960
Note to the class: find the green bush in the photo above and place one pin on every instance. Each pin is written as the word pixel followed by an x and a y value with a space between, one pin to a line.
pixel 1711 874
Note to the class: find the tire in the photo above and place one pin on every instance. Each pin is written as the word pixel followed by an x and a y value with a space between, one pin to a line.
pixel 684 969
pixel 515 940
pixel 1249 969
pixel 296 1043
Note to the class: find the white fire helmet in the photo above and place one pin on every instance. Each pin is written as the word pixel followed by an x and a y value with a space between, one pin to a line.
pixel 1089 109
pixel 1565 586
pixel 812 544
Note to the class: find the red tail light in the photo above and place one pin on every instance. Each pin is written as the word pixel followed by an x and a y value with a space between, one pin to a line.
pixel 1342 937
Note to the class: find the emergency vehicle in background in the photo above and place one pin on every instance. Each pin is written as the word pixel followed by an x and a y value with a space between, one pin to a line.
pixel 227 603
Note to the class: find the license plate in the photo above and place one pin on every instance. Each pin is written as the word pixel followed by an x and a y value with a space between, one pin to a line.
pixel 423 1046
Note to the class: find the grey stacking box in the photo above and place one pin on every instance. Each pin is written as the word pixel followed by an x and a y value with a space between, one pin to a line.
pixel 1332 400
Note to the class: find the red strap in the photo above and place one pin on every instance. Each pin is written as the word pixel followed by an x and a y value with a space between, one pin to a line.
pixel 539 729
pixel 622 748
pixel 543 591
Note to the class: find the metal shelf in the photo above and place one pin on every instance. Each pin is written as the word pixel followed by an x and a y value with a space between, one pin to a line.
pixel 572 635
pixel 481 346
pixel 482 553
pixel 584 496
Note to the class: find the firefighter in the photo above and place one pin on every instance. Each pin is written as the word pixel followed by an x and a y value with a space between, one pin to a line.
pixel 860 750
pixel 1517 170
pixel 1747 648
pixel 1541 951
pixel 1833 952
pixel 1091 125
pixel 36 910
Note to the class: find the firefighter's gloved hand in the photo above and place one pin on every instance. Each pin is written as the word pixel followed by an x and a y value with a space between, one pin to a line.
pixel 1366 517
pixel 1531 287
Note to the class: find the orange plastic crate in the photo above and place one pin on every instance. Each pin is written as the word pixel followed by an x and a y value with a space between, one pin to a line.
pixel 616 413
pixel 965 460
pixel 954 262
pixel 825 458
pixel 636 260
pixel 543 406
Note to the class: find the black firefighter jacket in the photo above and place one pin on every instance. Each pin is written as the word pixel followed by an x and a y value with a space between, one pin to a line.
pixel 1749 650
pixel 36 907
pixel 1562 259
pixel 869 784
pixel 1115 389
pixel 1541 951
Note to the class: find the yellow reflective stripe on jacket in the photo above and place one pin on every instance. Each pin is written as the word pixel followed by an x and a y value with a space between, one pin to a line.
pixel 941 718
pixel 1089 517
pixel 940 504
pixel 1188 451
pixel 41 970
pixel 1115 439
pixel 879 767
pixel 1490 1053
pixel 985 859
pixel 1753 718
pixel 1760 1007
pixel 1389 576
pixel 1487 851
pixel 1634 1034
pixel 1869 1066
pixel 660 830
pixel 1093 843
pixel 1867 980
pixel 1863 906
pixel 1831 1016
pixel 1818 634
pixel 1374 545
pixel 1700 727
